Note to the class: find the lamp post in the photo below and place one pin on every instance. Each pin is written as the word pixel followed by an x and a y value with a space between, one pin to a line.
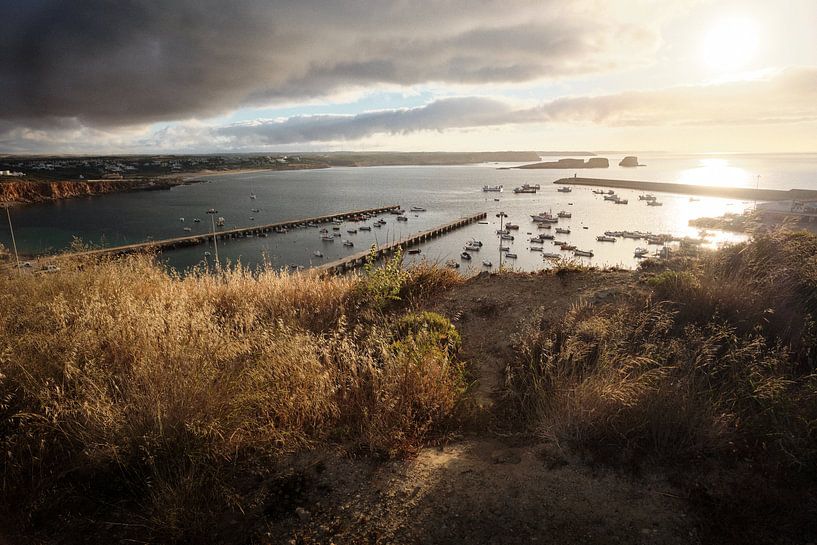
pixel 13 241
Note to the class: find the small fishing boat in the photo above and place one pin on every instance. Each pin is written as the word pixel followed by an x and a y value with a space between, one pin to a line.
pixel 621 201
pixel 417 209
pixel 506 237
pixel 336 228
pixel 207 254
pixel 565 189
pixel 504 248
pixel 318 254
pixel 252 196
pixel 583 253
pixel 492 188
pixel 655 203
pixel 647 197
pixel 567 247
pixel 641 252
pixel 526 188
pixel 348 243
pixel 220 222
pixel 536 240
pixel 472 247
pixel 181 220
pixel 605 238
pixel 611 197
pixel 544 226
pixel 196 220
pixel 487 264
pixel 402 218
pixel 509 255
pixel 328 238
pixel 564 214
pixel 502 232
pixel 414 251
pixel 452 264
pixel 351 231
pixel 559 243
pixel 511 226
pixel 257 210
pixel 563 231
pixel 535 248
pixel 212 211
pixel 612 233
pixel 465 255
pixel 188 229
pixel 365 228
pixel 475 242
pixel 551 255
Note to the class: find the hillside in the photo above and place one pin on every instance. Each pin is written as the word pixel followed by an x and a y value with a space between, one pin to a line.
pixel 673 404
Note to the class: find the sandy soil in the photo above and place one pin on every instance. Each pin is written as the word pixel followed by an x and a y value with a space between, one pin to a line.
pixel 486 487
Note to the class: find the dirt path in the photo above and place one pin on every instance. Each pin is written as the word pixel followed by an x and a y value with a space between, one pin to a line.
pixel 486 488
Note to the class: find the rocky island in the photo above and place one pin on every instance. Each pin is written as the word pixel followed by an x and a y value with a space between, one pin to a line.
pixel 630 161
pixel 568 163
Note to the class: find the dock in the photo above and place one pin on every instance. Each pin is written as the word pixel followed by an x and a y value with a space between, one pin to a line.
pixel 742 193
pixel 192 240
pixel 353 261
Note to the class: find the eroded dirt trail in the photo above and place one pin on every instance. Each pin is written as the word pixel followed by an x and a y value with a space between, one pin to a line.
pixel 487 488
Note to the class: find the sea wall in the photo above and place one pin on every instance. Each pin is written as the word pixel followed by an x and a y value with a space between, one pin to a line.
pixel 709 191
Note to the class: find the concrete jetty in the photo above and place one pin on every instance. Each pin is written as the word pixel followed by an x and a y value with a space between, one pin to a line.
pixel 743 193
pixel 353 261
pixel 179 242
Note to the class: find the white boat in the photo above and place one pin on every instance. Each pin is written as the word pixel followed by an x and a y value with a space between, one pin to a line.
pixel 207 254
pixel 465 255
pixel 181 220
pixel 318 254
pixel 605 238
pixel 502 232
pixel 487 264
pixel 196 220
pixel 417 209
pixel 526 188
pixel 584 253
pixel 641 252
pixel 512 226
pixel 564 214
pixel 348 243
pixel 471 247
pixel 504 248
pixel 188 229
pixel 565 189
pixel 328 238
pixel 506 237
pixel 475 242
pixel 220 222
pixel 544 217
pixel 494 188
pixel 452 264
pixel 252 196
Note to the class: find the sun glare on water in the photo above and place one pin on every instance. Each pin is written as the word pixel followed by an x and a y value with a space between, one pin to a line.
pixel 716 172
pixel 730 44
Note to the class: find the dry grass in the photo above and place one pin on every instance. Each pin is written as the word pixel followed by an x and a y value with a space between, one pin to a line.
pixel 122 383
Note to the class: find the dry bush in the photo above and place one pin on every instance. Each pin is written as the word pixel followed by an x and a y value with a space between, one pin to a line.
pixel 121 381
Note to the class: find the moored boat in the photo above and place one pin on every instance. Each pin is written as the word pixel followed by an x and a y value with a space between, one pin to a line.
pixel 583 253
pixel 605 238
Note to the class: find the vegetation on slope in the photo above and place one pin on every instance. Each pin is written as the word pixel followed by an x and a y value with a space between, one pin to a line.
pixel 129 390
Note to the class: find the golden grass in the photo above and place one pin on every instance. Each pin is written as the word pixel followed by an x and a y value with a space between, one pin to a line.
pixel 165 390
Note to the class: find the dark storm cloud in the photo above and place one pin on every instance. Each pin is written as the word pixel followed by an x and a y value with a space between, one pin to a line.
pixel 114 63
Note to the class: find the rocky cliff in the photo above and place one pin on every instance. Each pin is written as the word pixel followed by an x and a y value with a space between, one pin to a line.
pixel 28 191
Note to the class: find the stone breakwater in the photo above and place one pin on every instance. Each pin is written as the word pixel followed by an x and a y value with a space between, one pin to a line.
pixel 702 190
pixel 30 191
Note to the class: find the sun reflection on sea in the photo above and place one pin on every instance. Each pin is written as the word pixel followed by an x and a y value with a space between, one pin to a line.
pixel 716 172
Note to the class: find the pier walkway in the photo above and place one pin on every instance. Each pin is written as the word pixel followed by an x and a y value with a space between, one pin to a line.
pixel 356 260
pixel 238 232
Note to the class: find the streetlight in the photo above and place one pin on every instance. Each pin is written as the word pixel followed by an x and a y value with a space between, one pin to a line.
pixel 13 242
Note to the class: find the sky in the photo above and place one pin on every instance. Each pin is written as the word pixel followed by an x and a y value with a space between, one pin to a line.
pixel 202 76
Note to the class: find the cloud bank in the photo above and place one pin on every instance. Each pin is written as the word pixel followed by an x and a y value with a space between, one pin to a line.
pixel 108 63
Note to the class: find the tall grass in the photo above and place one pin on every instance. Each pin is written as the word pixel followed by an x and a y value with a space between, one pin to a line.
pixel 717 362
pixel 127 384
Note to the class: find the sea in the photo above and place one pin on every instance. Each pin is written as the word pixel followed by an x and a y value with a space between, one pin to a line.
pixel 445 192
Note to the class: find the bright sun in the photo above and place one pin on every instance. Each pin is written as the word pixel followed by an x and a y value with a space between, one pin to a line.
pixel 730 44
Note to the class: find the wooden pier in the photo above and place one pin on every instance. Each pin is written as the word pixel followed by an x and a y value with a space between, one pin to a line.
pixel 353 261
pixel 192 240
